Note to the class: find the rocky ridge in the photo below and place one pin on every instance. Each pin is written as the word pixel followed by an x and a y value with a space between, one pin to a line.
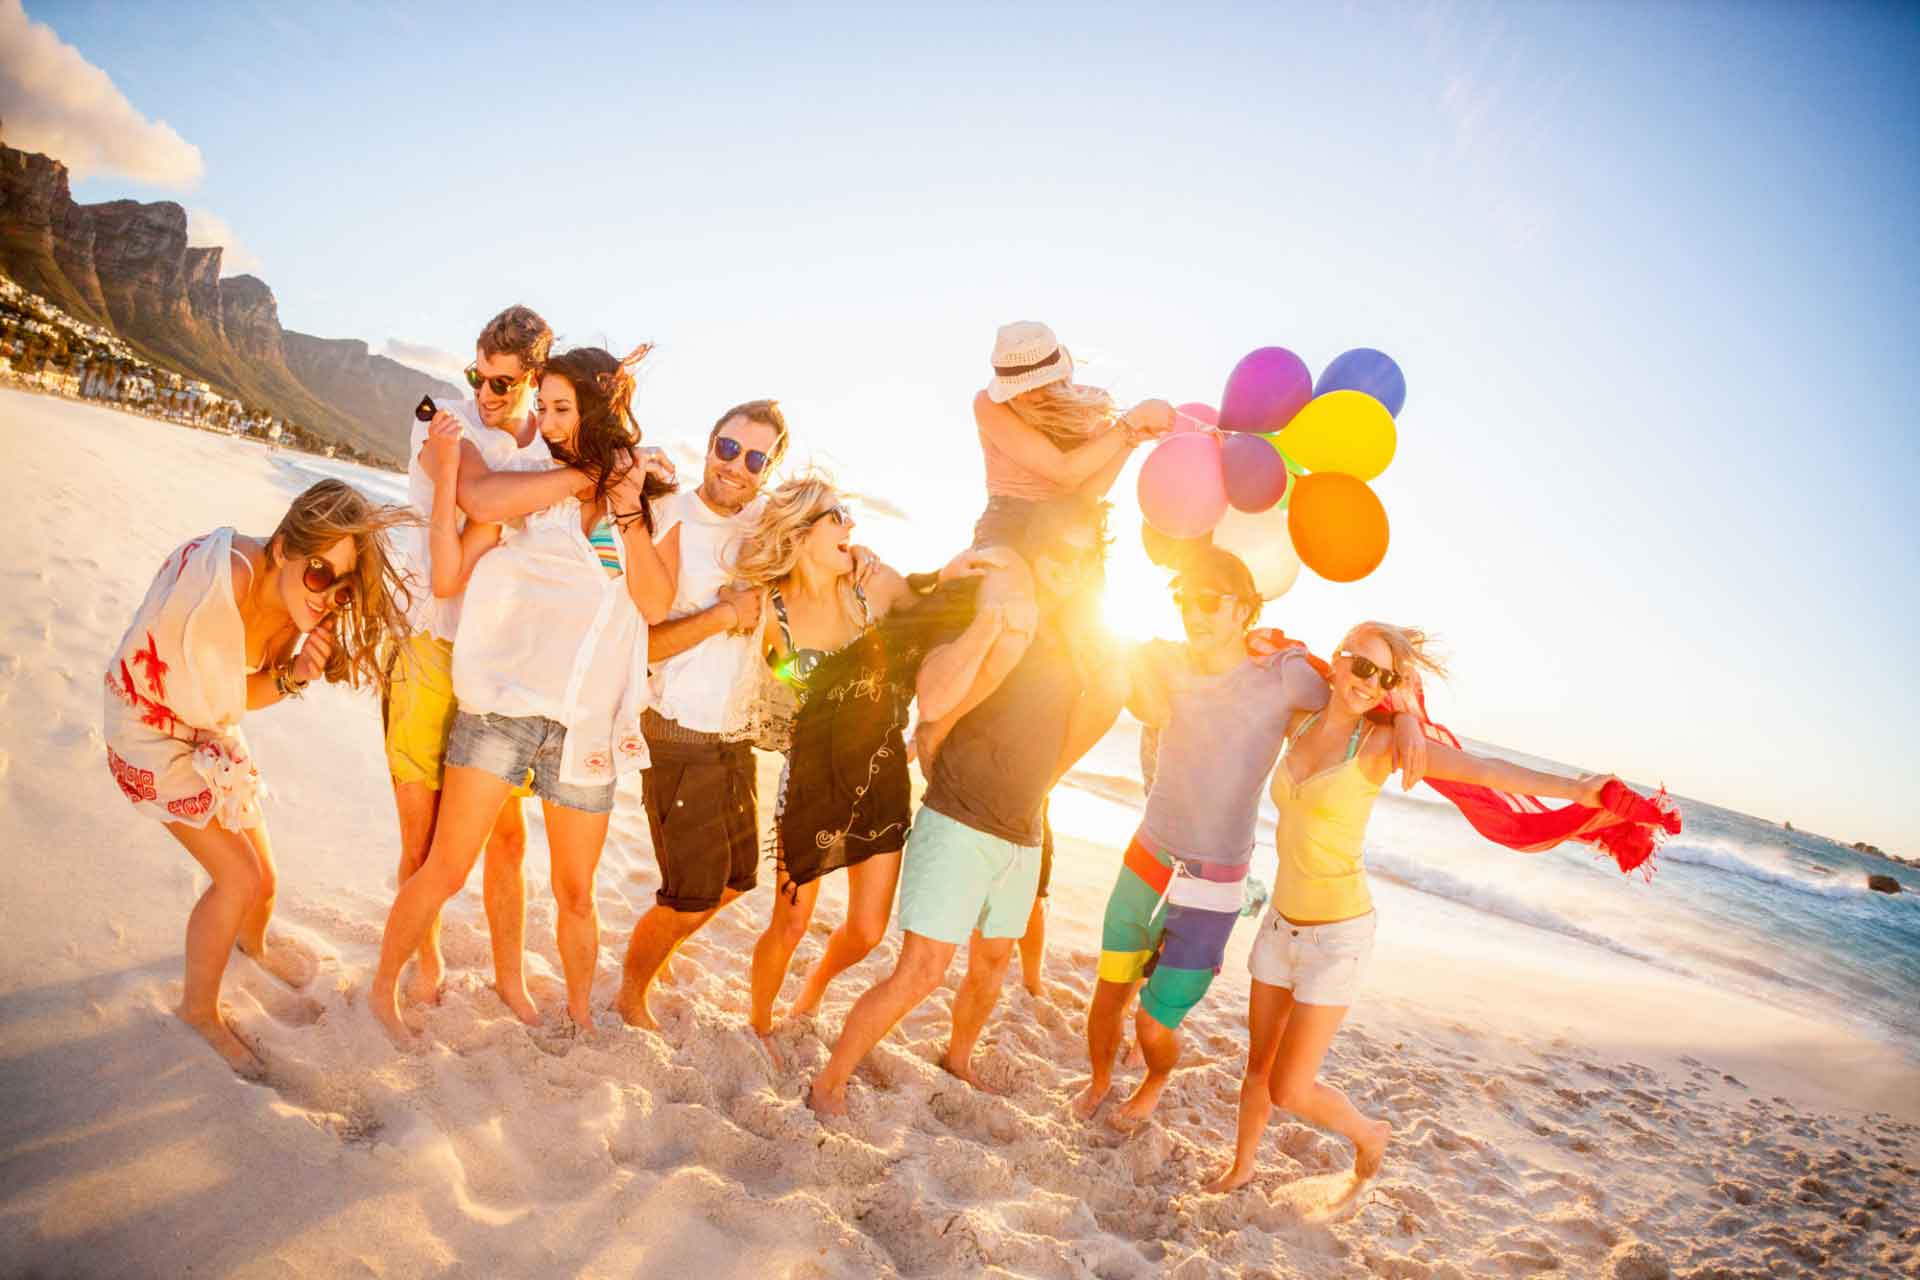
pixel 126 265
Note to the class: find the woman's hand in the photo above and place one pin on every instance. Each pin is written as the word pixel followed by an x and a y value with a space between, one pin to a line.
pixel 745 606
pixel 864 563
pixel 312 662
pixel 1148 420
pixel 1589 788
pixel 653 461
pixel 440 455
pixel 972 564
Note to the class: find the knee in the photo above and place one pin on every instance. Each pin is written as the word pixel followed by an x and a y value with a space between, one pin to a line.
pixel 788 930
pixel 266 880
pixel 508 847
pixel 921 973
pixel 248 879
pixel 574 898
pixel 864 935
pixel 1290 1094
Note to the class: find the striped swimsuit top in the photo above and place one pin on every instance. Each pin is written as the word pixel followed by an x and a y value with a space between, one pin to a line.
pixel 601 539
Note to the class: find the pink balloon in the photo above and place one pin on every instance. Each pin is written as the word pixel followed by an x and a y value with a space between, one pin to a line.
pixel 1193 416
pixel 1265 390
pixel 1183 492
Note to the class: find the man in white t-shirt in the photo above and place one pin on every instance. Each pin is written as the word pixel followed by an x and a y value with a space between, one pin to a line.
pixel 497 432
pixel 700 790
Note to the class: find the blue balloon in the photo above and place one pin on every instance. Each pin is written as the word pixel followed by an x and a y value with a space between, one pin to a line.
pixel 1364 369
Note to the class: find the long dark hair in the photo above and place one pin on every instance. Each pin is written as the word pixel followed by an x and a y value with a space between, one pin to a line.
pixel 603 386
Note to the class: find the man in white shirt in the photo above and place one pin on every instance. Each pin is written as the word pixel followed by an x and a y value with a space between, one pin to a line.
pixel 700 789
pixel 497 429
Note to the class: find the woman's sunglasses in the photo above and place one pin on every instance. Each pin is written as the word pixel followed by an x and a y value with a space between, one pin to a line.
pixel 1367 669
pixel 319 576
pixel 496 384
pixel 726 448
pixel 838 512
pixel 1202 601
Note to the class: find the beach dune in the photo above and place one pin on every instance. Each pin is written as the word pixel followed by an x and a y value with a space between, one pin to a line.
pixel 1549 1117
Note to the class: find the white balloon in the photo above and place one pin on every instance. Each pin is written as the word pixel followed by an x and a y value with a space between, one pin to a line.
pixel 1260 539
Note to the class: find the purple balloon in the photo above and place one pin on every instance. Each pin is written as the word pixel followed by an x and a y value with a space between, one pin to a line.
pixel 1364 369
pixel 1256 474
pixel 1265 390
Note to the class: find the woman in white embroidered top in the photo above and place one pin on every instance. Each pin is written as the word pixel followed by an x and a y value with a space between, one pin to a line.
pixel 550 669
pixel 215 638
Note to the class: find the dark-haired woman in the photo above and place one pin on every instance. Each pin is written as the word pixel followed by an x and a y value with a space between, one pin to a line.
pixel 550 671
pixel 215 638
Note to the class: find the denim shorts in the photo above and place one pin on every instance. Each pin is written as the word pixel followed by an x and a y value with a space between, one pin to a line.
pixel 508 747
pixel 1321 963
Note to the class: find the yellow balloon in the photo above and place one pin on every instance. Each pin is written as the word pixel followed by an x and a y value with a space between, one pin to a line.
pixel 1344 431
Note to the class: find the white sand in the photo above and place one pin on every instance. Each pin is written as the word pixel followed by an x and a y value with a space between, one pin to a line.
pixel 1550 1115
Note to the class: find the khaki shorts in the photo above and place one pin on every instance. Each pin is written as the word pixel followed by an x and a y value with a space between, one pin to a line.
pixel 1320 963
pixel 418 712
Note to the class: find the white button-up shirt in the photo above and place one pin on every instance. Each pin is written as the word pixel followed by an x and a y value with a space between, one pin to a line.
pixel 546 632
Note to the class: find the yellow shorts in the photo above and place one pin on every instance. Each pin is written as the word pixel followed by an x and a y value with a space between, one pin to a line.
pixel 418 712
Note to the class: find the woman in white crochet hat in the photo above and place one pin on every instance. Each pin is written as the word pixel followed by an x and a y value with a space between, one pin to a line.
pixel 1045 436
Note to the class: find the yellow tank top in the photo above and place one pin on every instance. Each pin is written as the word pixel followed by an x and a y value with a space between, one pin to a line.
pixel 1320 835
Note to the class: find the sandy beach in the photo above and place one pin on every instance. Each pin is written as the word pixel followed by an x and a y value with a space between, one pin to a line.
pixel 1556 1111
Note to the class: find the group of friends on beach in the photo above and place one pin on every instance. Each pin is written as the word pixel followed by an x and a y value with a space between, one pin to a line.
pixel 550 611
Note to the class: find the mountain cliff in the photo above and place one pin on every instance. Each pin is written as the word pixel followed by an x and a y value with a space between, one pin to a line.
pixel 126 265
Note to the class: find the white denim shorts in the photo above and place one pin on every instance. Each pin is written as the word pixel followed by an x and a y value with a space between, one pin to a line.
pixel 1320 963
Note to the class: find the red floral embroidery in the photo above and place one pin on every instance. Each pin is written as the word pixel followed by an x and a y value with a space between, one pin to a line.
pixel 137 784
pixel 153 714
pixel 186 553
pixel 597 762
pixel 149 658
pixel 193 807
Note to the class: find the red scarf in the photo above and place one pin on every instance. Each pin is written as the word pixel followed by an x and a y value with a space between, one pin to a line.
pixel 1626 827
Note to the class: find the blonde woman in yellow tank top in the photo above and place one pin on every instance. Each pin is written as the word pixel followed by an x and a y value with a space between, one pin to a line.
pixel 1317 935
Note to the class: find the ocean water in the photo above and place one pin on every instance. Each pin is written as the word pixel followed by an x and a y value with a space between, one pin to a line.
pixel 1735 901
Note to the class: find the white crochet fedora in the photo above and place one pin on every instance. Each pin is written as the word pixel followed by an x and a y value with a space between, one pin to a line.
pixel 1026 355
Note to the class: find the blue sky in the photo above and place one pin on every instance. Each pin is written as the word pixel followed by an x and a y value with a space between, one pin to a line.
pixel 1650 270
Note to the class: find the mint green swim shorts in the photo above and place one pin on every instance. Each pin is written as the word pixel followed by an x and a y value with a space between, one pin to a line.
pixel 954 880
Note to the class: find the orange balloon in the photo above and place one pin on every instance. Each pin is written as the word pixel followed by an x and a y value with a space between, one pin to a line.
pixel 1338 526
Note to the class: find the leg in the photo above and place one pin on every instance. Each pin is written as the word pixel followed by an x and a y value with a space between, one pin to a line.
pixel 1160 1046
pixel 1293 1085
pixel 773 953
pixel 285 961
pixel 417 805
pixel 654 939
pixel 213 927
pixel 987 961
pixel 1105 1014
pixel 575 838
pixel 468 806
pixel 1033 947
pixel 1269 1009
pixel 504 889
pixel 923 963
pixel 870 887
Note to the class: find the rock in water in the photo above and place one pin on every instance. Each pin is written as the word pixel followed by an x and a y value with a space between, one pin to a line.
pixel 1882 884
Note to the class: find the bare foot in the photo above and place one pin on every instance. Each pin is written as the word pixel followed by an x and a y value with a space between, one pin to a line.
pixel 428 975
pixel 1034 988
pixel 772 1047
pixel 963 1071
pixel 386 1011
pixel 235 1051
pixel 517 999
pixel 288 961
pixel 1134 1112
pixel 632 1006
pixel 1088 1100
pixel 808 1003
pixel 1232 1180
pixel 827 1102
pixel 1367 1155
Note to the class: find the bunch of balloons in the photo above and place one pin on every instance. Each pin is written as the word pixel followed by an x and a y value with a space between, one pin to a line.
pixel 1278 474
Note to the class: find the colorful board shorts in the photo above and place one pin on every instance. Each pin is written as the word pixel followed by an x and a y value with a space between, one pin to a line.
pixel 1168 921
pixel 418 709
pixel 954 879
pixel 1320 963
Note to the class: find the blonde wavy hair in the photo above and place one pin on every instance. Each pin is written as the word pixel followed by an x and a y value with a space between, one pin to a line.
pixel 1064 412
pixel 1412 649
pixel 374 625
pixel 771 549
